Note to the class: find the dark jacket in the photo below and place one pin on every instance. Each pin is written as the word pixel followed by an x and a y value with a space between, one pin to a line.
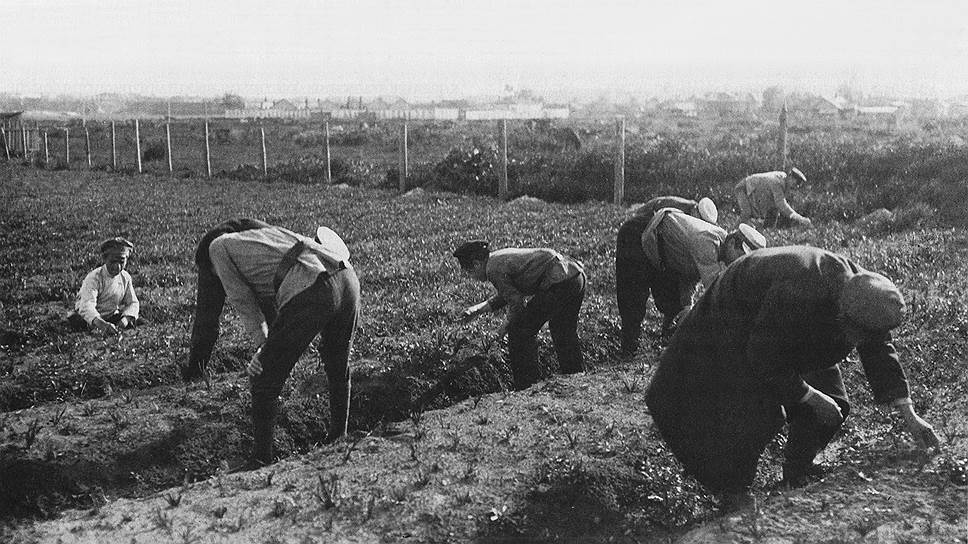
pixel 740 353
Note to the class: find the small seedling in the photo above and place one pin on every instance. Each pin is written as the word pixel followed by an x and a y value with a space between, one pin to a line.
pixel 268 480
pixel 572 438
pixel 327 491
pixel 630 383
pixel 370 507
pixel 454 441
pixel 279 508
pixel 422 479
pixel 30 435
pixel 163 520
pixel 173 500
pixel 398 493
pixel 186 535
pixel 416 417
pixel 58 416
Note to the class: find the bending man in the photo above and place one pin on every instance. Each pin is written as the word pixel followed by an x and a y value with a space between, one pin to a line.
pixel 556 285
pixel 676 252
pixel 764 196
pixel 287 289
pixel 763 345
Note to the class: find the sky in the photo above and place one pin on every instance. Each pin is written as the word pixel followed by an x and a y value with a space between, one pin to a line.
pixel 431 49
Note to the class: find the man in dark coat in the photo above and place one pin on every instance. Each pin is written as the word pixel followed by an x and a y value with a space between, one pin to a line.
pixel 633 273
pixel 288 289
pixel 766 340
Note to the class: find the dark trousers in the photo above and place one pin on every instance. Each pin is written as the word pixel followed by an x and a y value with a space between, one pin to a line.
pixel 558 306
pixel 330 309
pixel 635 279
pixel 806 436
pixel 719 435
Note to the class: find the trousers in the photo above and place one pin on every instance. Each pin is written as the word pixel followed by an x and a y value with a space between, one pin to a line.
pixel 558 306
pixel 328 309
pixel 635 279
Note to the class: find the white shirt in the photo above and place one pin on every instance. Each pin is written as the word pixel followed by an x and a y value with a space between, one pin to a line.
pixel 102 295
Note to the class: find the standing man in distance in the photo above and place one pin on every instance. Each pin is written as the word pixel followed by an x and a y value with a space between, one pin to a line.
pixel 288 289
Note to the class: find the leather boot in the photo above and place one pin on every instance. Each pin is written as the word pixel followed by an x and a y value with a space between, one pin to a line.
pixel 263 424
pixel 339 409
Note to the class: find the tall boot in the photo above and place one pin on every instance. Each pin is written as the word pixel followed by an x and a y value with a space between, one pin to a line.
pixel 339 408
pixel 264 412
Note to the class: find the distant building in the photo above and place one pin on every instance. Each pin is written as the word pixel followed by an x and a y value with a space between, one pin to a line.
pixel 828 107
pixel 727 104
pixel 679 108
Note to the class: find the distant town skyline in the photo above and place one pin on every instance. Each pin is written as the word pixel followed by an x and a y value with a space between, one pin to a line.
pixel 439 49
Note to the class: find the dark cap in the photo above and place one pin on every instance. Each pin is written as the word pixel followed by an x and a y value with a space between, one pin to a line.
pixel 116 245
pixel 467 251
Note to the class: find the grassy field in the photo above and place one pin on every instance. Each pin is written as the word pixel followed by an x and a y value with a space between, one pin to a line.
pixel 86 420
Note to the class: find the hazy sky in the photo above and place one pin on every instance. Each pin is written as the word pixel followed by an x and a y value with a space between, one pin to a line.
pixel 437 48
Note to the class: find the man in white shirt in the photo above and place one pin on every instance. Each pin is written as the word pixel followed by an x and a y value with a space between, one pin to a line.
pixel 288 289
pixel 106 301
pixel 684 251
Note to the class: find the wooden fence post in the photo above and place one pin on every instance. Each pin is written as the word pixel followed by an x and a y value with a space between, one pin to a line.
pixel 403 166
pixel 782 144
pixel 137 143
pixel 46 150
pixel 114 148
pixel 265 156
pixel 87 146
pixel 619 190
pixel 67 147
pixel 168 144
pixel 23 136
pixel 208 153
pixel 6 147
pixel 329 171
pixel 502 171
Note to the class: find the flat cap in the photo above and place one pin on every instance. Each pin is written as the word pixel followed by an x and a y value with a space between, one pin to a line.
pixel 116 244
pixel 872 302
pixel 468 250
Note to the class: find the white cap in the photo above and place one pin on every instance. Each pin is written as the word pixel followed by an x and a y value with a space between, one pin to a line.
pixel 707 210
pixel 752 239
pixel 332 242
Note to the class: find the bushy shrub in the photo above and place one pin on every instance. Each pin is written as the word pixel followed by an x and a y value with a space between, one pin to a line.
pixel 154 151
